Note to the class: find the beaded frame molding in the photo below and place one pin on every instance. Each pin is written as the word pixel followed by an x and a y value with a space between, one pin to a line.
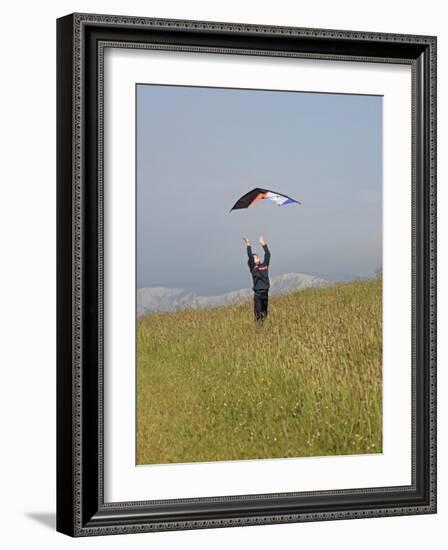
pixel 81 40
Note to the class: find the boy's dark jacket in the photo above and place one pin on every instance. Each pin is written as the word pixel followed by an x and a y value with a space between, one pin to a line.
pixel 260 272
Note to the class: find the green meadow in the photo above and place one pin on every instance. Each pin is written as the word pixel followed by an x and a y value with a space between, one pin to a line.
pixel 213 386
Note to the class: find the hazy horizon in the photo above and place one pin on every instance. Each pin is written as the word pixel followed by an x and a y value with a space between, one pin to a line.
pixel 200 149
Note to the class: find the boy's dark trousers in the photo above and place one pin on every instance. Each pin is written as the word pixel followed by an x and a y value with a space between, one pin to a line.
pixel 260 305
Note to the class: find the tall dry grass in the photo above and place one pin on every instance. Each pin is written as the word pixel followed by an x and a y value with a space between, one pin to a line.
pixel 212 386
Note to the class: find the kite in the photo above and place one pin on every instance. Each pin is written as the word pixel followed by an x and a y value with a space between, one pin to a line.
pixel 258 194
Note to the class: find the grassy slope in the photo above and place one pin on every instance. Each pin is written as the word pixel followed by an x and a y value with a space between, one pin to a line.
pixel 212 386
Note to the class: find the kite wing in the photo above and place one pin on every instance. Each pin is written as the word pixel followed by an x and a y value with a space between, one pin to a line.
pixel 258 194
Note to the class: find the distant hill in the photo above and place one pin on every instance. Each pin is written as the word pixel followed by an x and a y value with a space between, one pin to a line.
pixel 152 299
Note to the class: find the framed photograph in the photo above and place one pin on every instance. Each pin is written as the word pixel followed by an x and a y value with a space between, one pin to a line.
pixel 246 274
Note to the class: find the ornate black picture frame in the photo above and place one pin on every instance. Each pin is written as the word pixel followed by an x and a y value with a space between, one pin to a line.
pixel 81 509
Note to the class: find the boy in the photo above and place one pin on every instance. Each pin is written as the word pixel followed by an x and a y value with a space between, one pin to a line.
pixel 260 276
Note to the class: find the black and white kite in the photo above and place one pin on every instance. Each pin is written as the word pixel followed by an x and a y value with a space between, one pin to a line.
pixel 258 194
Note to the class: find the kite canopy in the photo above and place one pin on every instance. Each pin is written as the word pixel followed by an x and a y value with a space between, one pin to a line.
pixel 258 194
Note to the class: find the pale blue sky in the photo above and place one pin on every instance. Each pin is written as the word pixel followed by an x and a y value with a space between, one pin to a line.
pixel 200 149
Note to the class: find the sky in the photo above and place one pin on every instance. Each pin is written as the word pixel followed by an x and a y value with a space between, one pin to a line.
pixel 199 149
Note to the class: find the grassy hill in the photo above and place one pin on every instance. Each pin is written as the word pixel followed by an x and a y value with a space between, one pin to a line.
pixel 212 386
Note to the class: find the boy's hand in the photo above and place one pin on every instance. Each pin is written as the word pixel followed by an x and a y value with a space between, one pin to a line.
pixel 246 241
pixel 261 240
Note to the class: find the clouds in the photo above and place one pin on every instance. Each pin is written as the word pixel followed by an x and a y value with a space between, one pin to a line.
pixel 199 149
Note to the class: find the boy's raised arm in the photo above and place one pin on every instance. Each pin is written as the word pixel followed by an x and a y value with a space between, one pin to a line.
pixel 249 252
pixel 267 253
